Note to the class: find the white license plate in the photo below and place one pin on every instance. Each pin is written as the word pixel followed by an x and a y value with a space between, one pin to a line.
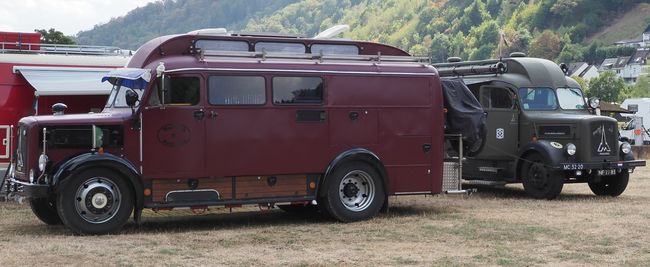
pixel 606 172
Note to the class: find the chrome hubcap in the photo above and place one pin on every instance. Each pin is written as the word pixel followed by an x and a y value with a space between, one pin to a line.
pixel 97 200
pixel 357 190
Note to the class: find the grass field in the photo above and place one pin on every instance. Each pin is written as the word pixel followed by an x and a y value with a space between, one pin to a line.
pixel 491 227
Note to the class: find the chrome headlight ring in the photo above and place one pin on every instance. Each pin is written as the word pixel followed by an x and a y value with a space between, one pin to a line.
pixel 626 148
pixel 571 149
pixel 42 162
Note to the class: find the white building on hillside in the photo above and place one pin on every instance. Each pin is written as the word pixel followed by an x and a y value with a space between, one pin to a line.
pixel 643 41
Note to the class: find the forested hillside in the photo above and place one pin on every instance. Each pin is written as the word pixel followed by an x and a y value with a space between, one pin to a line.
pixel 472 29
pixel 177 16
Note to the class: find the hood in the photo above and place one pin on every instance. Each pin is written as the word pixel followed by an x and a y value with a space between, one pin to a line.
pixel 113 117
pixel 554 117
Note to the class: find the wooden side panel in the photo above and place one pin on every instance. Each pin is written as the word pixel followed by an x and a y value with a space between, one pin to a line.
pixel 263 186
pixel 160 187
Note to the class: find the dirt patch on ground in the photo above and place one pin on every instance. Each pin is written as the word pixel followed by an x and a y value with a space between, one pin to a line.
pixel 492 227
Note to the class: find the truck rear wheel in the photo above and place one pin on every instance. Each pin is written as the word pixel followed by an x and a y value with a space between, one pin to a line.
pixel 45 209
pixel 611 185
pixel 95 201
pixel 354 192
pixel 540 180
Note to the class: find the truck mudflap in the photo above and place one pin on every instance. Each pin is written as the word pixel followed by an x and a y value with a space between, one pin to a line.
pixel 572 166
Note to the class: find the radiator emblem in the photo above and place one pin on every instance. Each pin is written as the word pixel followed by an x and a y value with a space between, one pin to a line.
pixel 603 147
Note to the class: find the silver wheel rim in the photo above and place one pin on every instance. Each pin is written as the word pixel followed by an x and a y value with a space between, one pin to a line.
pixel 97 200
pixel 357 190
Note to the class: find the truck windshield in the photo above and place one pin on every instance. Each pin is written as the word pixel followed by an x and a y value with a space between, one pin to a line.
pixel 537 98
pixel 571 98
pixel 117 97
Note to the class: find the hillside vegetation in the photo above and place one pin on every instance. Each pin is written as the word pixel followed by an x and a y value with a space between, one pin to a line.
pixel 626 27
pixel 560 30
pixel 176 16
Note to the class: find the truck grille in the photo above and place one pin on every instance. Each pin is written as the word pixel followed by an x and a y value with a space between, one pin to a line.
pixel 21 154
pixel 603 139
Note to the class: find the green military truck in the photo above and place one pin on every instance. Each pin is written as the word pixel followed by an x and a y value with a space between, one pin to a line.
pixel 539 130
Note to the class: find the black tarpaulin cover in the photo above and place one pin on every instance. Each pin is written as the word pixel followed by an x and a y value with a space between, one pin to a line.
pixel 464 115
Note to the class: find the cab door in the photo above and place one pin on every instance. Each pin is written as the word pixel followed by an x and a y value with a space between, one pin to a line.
pixel 502 123
pixel 173 134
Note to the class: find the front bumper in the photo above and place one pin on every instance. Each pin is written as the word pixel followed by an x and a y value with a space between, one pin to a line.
pixel 572 166
pixel 26 189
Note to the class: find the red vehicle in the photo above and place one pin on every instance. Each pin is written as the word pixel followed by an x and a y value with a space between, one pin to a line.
pixel 33 76
pixel 226 120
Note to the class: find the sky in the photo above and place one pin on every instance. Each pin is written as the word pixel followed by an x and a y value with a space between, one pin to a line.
pixel 67 16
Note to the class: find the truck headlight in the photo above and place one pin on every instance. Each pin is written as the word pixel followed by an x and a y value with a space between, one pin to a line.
pixel 570 149
pixel 31 176
pixel 42 162
pixel 626 148
pixel 594 102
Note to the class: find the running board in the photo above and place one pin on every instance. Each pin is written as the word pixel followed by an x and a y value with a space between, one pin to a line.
pixel 483 182
pixel 461 192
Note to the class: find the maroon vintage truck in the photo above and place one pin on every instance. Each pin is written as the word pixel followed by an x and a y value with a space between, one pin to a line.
pixel 198 120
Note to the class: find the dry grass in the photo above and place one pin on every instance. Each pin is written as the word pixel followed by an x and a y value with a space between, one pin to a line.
pixel 492 227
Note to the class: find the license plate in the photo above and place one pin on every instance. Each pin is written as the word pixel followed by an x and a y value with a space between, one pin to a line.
pixel 606 172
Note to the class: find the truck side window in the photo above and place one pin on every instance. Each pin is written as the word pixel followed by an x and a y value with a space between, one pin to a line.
pixel 237 90
pixel 280 47
pixel 297 90
pixel 496 97
pixel 537 98
pixel 182 91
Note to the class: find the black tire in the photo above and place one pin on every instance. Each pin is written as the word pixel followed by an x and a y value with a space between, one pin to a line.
pixel 612 186
pixel 540 181
pixel 353 192
pixel 95 201
pixel 45 210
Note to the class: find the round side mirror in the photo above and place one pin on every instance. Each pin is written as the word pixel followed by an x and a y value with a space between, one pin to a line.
pixel 131 98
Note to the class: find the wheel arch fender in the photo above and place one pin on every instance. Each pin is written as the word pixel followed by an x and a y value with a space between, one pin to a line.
pixel 550 153
pixel 106 160
pixel 357 154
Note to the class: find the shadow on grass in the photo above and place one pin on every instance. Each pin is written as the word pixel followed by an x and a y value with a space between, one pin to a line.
pixel 216 221
pixel 519 193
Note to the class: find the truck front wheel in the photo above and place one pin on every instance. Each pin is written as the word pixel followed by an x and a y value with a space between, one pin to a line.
pixel 45 210
pixel 354 192
pixel 539 179
pixel 95 201
pixel 611 185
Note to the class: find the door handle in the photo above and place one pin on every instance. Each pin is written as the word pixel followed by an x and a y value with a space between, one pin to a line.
pixel 213 114
pixel 426 148
pixel 4 141
pixel 354 115
pixel 199 114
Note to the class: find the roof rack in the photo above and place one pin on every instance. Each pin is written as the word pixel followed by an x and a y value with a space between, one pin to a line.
pixel 465 68
pixel 267 34
pixel 214 55
pixel 37 48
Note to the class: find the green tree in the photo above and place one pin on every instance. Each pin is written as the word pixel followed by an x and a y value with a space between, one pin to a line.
pixel 547 45
pixel 584 85
pixel 638 90
pixel 570 53
pixel 473 16
pixel 607 86
pixel 53 36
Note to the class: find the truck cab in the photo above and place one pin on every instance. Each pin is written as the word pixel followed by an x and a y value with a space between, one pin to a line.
pixel 540 131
